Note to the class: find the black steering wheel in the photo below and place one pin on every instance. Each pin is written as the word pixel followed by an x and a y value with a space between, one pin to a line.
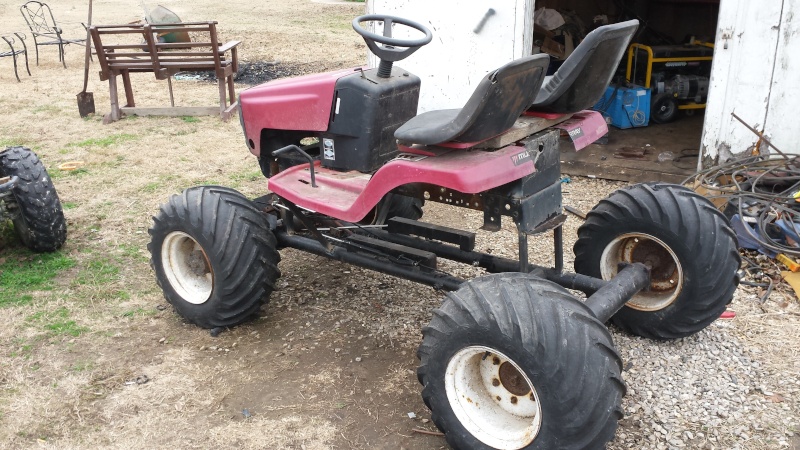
pixel 389 51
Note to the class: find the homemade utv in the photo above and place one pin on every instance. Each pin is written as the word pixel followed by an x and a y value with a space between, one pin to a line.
pixel 512 359
pixel 29 199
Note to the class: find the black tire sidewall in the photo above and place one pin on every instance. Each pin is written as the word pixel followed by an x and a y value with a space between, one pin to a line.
pixel 692 228
pixel 236 239
pixel 554 311
pixel 195 313
pixel 690 265
pixel 492 338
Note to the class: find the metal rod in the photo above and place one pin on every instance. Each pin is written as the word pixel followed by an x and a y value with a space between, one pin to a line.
pixel 558 248
pixel 584 283
pixel 612 297
pixel 523 252
pixel 294 148
pixel 494 264
pixel 323 241
pixel 413 273
pixel 759 134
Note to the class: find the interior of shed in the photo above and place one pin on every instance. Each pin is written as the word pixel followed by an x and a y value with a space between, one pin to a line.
pixel 655 116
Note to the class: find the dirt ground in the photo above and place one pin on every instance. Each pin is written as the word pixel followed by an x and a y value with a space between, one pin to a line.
pixel 98 359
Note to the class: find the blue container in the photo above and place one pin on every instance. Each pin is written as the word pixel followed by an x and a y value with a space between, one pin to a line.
pixel 625 107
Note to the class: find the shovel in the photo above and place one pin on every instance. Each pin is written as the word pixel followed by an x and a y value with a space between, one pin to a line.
pixel 86 99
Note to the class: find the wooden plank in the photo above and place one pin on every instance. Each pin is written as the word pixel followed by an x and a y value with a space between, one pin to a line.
pixel 522 128
pixel 173 112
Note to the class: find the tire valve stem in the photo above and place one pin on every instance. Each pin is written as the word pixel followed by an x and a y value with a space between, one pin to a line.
pixel 485 355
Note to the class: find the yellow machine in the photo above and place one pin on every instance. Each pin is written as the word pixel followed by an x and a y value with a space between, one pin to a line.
pixel 676 74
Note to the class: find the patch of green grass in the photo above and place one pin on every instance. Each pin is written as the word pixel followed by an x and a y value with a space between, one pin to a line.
pixel 209 183
pixel 105 141
pixel 22 348
pixel 139 312
pixel 11 142
pixel 57 322
pixel 68 327
pixel 69 205
pixel 250 175
pixel 135 252
pixel 61 174
pixel 98 271
pixel 23 271
pixel 151 187
pixel 190 119
pixel 82 366
pixel 46 109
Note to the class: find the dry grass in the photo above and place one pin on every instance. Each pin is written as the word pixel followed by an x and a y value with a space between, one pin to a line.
pixel 70 358
pixel 59 390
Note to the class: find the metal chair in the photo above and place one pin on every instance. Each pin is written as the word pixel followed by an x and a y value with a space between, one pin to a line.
pixel 44 29
pixel 14 51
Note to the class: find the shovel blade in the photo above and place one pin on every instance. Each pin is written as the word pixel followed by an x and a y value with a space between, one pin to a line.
pixel 85 103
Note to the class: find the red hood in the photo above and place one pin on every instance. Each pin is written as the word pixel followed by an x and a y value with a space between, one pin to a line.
pixel 301 103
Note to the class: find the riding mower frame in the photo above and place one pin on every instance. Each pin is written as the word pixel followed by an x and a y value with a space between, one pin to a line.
pixel 511 359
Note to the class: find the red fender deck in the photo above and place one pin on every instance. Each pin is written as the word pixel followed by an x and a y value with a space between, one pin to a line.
pixel 350 196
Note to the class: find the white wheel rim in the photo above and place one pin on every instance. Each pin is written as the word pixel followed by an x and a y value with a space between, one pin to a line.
pixel 666 273
pixel 499 407
pixel 187 267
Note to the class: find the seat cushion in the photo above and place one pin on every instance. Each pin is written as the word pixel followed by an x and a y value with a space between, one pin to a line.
pixel 430 128
pixel 494 106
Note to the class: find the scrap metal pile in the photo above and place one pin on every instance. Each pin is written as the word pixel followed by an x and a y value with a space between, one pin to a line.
pixel 761 197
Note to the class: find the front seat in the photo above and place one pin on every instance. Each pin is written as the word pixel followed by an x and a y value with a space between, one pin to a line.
pixel 497 102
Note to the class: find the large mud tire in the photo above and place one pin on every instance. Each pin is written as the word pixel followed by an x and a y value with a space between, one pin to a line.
pixel 686 240
pixel 40 224
pixel 513 361
pixel 214 256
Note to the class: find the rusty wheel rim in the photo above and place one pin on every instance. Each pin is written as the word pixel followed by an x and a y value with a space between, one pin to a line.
pixel 666 272
pixel 493 398
pixel 187 268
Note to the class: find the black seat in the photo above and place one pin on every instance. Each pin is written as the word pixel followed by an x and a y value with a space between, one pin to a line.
pixel 580 82
pixel 497 102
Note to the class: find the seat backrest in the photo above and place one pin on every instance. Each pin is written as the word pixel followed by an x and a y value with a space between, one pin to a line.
pixel 38 17
pixel 580 82
pixel 500 98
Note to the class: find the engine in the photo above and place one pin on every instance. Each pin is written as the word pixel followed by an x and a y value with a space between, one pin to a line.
pixel 682 87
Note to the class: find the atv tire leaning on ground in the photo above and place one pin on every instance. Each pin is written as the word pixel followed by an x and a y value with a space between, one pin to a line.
pixel 685 240
pixel 214 256
pixel 514 361
pixel 40 222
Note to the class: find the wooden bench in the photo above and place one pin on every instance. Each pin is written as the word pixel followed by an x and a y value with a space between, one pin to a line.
pixel 126 49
